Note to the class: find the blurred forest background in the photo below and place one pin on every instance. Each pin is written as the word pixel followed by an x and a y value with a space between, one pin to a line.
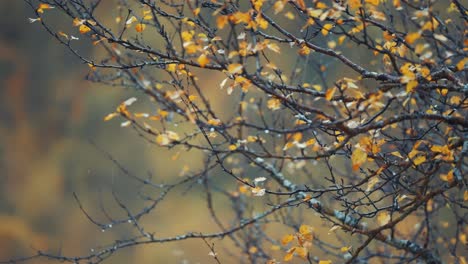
pixel 49 114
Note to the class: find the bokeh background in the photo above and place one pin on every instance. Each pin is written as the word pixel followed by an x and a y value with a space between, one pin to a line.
pixel 49 115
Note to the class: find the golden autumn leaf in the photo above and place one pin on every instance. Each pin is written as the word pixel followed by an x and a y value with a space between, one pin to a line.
pixel 274 104
pixel 354 4
pixel 326 28
pixel 461 64
pixel 397 154
pixel 275 247
pixel 383 218
pixel 304 50
pixel 419 159
pixel 43 7
pixel 167 138
pixel 372 182
pixel 203 60
pixel 234 68
pixel 232 147
pixel 329 94
pixel 412 37
pixel 325 262
pixel 273 47
pixel 287 239
pixel 278 6
pixel 345 249
pixel 288 256
pixel 140 27
pixel 373 2
pixel 447 177
pixel 358 157
pixel 110 116
pixel 411 85
pixel 162 140
pixel 171 67
pixel 84 29
pixel 221 21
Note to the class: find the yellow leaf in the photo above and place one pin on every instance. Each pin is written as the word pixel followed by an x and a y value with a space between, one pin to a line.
pixel 42 7
pixel 171 67
pixel 326 28
pixel 345 249
pixel 397 4
pixel 418 160
pixel 412 37
pixel 317 87
pixel 253 250
pixel 203 60
pixel 320 5
pixel 358 157
pixel 314 13
pixel 234 68
pixel 288 145
pixel 441 149
pixel 278 6
pixel 232 147
pixel 383 218
pixel 301 252
pixel 273 47
pixel 411 85
pixel 325 262
pixel 140 27
pixel 214 122
pixel 131 20
pixel 261 22
pixel 110 116
pixel 465 196
pixel 287 239
pixel 305 229
pixel 341 39
pixel 396 153
pixel 162 140
pixel 275 247
pixel 447 177
pixel 187 35
pixel 273 104
pixel 288 256
pixel 372 182
pixel 373 2
pixel 354 4
pixel 297 136
pixel 289 15
pixel 84 29
pixel 304 50
pixel 329 94
pixel 461 64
